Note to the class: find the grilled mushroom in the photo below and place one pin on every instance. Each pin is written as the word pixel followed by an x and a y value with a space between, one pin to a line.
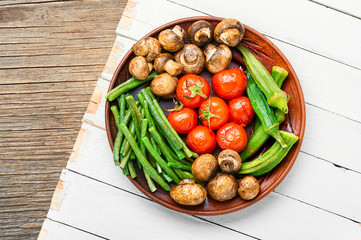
pixel 217 58
pixel 164 85
pixel 191 58
pixel 172 39
pixel 200 33
pixel 164 63
pixel 223 187
pixel 140 68
pixel 204 167
pixel 188 192
pixel 229 31
pixel 229 161
pixel 248 188
pixel 148 47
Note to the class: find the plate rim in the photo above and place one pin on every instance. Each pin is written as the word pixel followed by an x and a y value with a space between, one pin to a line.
pixel 270 187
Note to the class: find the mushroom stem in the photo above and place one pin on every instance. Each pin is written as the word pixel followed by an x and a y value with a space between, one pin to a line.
pixel 231 35
pixel 173 68
pixel 202 35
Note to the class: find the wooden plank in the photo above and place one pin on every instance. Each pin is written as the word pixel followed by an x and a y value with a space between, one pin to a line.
pixel 349 7
pixel 318 82
pixel 56 231
pixel 116 209
pixel 92 157
pixel 120 214
pixel 321 184
pixel 314 31
pixel 51 55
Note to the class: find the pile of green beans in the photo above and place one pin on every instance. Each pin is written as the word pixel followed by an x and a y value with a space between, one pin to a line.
pixel 146 139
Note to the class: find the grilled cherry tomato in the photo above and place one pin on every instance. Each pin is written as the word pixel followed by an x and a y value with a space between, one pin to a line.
pixel 192 90
pixel 183 120
pixel 201 140
pixel 241 111
pixel 232 136
pixel 229 83
pixel 214 113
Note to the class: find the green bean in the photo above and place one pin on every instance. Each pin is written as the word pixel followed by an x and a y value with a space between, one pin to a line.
pixel 160 160
pixel 186 150
pixel 131 168
pixel 122 109
pixel 146 165
pixel 115 112
pixel 150 182
pixel 167 177
pixel 128 85
pixel 132 105
pixel 183 161
pixel 119 139
pixel 143 133
pixel 164 149
pixel 125 170
pixel 158 119
pixel 126 158
pixel 179 166
pixel 127 145
pixel 159 168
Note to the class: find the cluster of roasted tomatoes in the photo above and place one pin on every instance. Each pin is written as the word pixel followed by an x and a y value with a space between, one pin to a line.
pixel 229 120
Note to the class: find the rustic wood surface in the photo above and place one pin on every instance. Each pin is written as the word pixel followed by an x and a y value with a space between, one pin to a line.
pixel 319 199
pixel 51 53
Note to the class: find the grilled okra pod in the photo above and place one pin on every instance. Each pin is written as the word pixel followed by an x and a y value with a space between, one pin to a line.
pixel 275 96
pixel 259 136
pixel 263 110
pixel 267 161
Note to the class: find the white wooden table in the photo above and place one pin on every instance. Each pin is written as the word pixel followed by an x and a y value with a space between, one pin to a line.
pixel 321 196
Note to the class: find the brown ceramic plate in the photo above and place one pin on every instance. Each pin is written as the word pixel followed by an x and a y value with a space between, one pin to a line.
pixel 269 55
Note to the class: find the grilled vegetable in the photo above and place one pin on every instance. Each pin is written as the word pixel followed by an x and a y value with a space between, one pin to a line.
pixel 259 136
pixel 267 161
pixel 248 188
pixel 146 165
pixel 263 111
pixel 204 167
pixel 188 192
pixel 275 96
pixel 128 85
pixel 160 160
pixel 223 187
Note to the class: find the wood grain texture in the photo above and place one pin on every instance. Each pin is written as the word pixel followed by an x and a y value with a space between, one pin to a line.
pixel 51 54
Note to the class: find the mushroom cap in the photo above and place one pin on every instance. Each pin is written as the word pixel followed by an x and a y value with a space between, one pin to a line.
pixel 229 31
pixel 217 58
pixel 248 188
pixel 172 40
pixel 191 58
pixel 187 192
pixel 229 161
pixel 165 63
pixel 200 33
pixel 204 167
pixel 222 187
pixel 148 47
pixel 164 85
pixel 140 68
